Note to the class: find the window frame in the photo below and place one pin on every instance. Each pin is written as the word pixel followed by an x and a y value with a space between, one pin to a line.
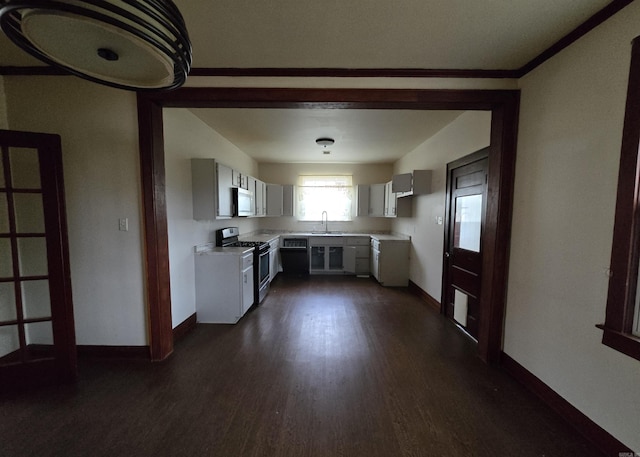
pixel 625 251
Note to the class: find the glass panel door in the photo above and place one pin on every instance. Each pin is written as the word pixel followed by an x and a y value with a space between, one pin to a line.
pixel 25 305
pixel 37 344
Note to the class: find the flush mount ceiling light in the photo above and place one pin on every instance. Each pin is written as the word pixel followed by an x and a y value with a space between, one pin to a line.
pixel 324 142
pixel 129 44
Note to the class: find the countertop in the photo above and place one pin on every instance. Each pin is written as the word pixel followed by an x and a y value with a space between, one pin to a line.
pixel 267 237
pixel 211 249
pixel 264 237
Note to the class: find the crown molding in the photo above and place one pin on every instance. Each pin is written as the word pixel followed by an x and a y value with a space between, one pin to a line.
pixel 584 28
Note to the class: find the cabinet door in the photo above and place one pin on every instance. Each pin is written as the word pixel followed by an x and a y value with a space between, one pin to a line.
pixel 362 209
pixel 402 183
pixel 375 263
pixel 274 263
pixel 390 199
pixel 247 289
pixel 203 189
pixel 287 200
pixel 251 187
pixel 236 178
pixel 224 177
pixel 376 200
pixel 260 199
pixel 349 259
pixel 274 200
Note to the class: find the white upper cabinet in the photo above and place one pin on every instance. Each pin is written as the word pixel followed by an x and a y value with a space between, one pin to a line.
pixel 416 183
pixel 376 200
pixel 274 199
pixel 390 200
pixel 261 198
pixel 287 200
pixel 211 184
pixel 251 187
pixel 224 177
pixel 362 200
pixel 280 200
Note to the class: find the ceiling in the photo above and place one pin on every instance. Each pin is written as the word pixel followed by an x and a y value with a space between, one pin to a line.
pixel 357 34
pixel 423 34
pixel 361 136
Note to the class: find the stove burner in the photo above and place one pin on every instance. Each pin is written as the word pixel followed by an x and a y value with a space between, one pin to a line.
pixel 249 244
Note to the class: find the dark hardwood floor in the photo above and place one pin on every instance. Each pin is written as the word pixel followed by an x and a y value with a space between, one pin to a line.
pixel 324 367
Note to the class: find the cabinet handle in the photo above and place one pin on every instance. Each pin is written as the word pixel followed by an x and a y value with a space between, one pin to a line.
pixel 245 278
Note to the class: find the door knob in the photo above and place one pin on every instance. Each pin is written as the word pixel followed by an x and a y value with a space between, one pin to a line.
pixel 447 255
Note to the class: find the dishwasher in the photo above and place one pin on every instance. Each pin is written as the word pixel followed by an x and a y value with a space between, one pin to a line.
pixel 294 255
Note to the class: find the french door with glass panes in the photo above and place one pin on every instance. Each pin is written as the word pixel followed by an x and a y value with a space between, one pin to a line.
pixel 37 339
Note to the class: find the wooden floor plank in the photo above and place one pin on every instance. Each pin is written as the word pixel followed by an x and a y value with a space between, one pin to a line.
pixel 325 366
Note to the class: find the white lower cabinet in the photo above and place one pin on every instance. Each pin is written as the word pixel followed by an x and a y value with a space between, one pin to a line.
pixel 356 255
pixel 390 261
pixel 274 258
pixel 224 284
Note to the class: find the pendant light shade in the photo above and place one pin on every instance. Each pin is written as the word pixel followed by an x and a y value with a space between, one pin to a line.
pixel 129 44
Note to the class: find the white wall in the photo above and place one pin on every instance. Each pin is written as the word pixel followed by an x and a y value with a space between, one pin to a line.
pixel 187 137
pixel 278 173
pixel 571 119
pixel 468 133
pixel 99 133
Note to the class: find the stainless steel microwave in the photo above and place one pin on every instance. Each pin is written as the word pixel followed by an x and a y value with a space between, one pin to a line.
pixel 242 202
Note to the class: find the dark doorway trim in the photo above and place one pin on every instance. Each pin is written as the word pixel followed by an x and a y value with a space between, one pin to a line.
pixel 503 104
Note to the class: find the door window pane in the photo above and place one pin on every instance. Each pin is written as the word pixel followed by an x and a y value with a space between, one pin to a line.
pixel 460 307
pixel 2 183
pixel 4 213
pixel 468 222
pixel 35 299
pixel 636 316
pixel 32 253
pixel 9 340
pixel 25 168
pixel 7 302
pixel 29 213
pixel 6 262
pixel 39 332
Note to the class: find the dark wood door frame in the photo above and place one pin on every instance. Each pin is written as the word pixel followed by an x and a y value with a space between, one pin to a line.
pixel 504 107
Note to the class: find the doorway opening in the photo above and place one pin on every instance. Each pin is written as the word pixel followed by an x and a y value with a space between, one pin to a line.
pixel 503 104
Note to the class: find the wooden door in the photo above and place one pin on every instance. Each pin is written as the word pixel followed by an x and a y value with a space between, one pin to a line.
pixel 37 339
pixel 465 220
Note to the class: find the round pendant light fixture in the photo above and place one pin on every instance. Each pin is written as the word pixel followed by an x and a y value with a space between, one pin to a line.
pixel 129 44
pixel 324 142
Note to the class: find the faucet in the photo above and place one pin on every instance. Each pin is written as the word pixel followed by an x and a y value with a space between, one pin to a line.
pixel 325 221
